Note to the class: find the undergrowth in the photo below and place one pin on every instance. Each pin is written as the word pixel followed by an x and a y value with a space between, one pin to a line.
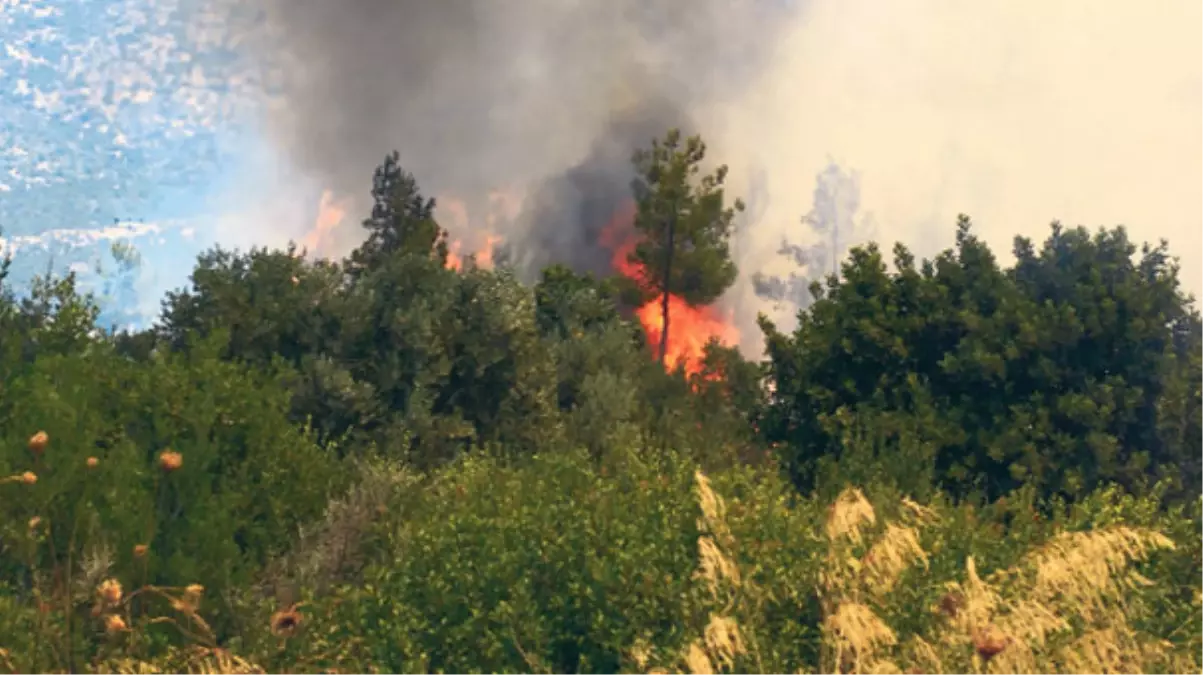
pixel 568 563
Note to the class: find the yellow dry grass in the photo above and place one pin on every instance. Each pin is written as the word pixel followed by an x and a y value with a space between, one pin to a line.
pixel 1061 608
pixel 198 661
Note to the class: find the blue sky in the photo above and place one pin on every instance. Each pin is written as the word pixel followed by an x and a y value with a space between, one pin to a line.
pixel 118 119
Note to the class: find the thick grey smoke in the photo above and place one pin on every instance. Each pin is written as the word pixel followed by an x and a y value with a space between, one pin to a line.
pixel 546 98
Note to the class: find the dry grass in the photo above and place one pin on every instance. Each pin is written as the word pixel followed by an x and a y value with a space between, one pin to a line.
pixel 1062 608
pixel 195 660
pixel 722 641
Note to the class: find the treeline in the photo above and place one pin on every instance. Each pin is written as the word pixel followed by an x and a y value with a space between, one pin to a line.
pixel 450 470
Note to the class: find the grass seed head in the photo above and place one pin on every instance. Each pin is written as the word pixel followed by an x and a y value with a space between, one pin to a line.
pixel 849 515
pixel 192 595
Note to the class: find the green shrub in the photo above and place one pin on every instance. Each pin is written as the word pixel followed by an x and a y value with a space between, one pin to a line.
pixel 556 565
pixel 248 477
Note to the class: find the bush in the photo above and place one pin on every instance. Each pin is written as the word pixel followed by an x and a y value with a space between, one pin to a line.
pixel 556 565
pixel 104 485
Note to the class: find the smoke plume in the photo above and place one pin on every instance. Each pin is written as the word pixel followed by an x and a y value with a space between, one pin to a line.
pixel 1017 112
pixel 543 98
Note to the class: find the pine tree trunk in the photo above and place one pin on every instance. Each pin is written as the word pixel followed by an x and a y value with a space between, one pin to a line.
pixel 668 273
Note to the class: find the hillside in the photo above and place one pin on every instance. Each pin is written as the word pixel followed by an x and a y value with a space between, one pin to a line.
pixel 411 460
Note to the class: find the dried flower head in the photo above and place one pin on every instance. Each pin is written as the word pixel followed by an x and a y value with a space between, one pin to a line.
pixel 113 624
pixel 170 460
pixel 140 550
pixel 951 603
pixel 285 623
pixel 92 462
pixel 989 642
pixel 109 592
pixel 38 442
pixel 29 478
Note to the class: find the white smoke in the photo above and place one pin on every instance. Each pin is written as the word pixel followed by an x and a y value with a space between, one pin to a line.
pixel 1016 112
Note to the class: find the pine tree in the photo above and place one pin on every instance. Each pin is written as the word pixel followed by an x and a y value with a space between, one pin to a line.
pixel 685 226
pixel 402 221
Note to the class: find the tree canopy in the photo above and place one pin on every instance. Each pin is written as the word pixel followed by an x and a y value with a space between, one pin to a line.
pixel 387 463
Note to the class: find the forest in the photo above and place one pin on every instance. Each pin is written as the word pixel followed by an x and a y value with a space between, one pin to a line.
pixel 409 460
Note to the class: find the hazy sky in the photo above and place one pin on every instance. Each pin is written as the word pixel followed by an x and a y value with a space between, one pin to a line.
pixel 1016 112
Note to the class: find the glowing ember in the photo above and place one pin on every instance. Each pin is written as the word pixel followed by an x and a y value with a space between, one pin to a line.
pixel 690 328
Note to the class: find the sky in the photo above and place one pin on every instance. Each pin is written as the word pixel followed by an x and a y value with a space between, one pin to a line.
pixel 1016 112
pixel 149 122
pixel 119 120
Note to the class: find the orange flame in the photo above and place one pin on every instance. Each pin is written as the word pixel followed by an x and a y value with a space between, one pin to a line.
pixel 690 328
pixel 454 217
pixel 330 214
pixel 483 255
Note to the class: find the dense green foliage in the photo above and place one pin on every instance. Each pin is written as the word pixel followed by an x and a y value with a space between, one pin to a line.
pixel 439 470
pixel 1076 368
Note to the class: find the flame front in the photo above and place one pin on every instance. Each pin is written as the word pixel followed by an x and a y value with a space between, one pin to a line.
pixel 690 328
pixel 453 216
pixel 483 255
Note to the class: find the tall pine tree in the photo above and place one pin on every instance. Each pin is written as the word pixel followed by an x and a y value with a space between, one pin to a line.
pixel 402 220
pixel 685 225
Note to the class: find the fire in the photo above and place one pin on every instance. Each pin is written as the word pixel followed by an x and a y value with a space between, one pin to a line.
pixel 453 216
pixel 483 255
pixel 330 214
pixel 690 328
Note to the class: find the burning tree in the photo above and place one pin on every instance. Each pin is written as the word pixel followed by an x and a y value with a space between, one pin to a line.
pixel 683 256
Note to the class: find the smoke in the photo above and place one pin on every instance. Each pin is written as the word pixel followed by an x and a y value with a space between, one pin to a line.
pixel 1016 112
pixel 566 214
pixel 833 228
pixel 543 98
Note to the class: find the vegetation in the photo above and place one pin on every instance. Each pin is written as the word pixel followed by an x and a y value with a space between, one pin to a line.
pixel 685 228
pixel 382 464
